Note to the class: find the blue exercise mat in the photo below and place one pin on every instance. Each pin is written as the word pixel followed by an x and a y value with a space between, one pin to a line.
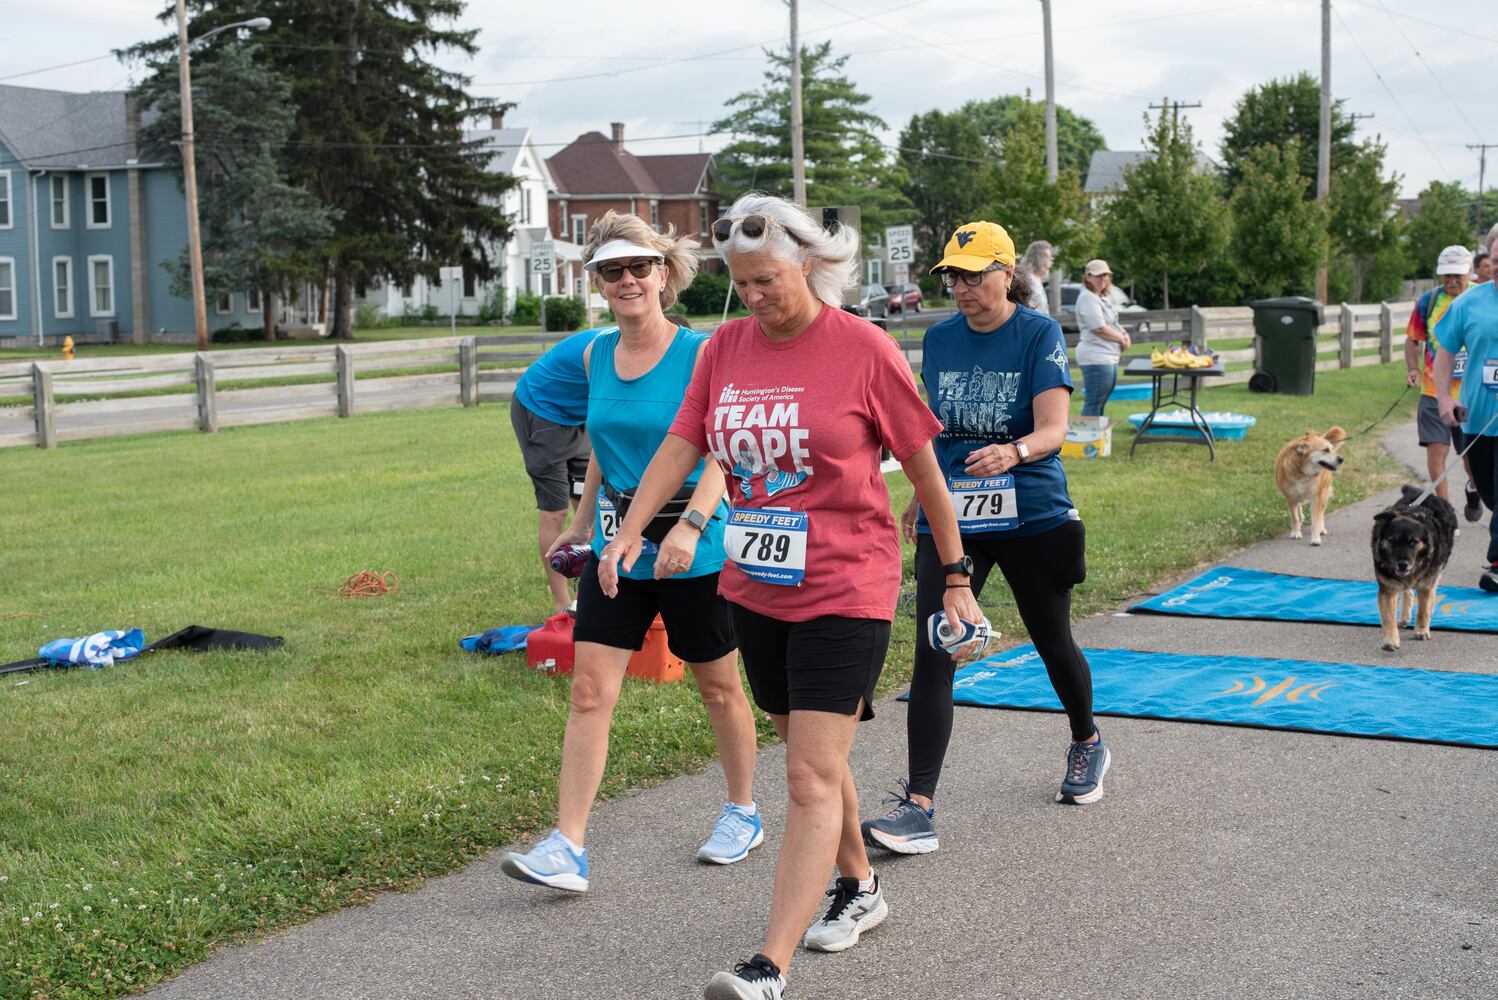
pixel 1345 699
pixel 1231 592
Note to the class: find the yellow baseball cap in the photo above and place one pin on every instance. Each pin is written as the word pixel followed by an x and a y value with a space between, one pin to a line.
pixel 977 245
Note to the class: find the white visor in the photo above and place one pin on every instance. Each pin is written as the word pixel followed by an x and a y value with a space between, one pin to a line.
pixel 621 250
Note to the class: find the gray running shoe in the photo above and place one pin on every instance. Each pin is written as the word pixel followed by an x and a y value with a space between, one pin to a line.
pixel 756 979
pixel 852 912
pixel 905 829
pixel 1086 763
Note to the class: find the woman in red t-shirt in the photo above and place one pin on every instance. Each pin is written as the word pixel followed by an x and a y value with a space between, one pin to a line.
pixel 795 403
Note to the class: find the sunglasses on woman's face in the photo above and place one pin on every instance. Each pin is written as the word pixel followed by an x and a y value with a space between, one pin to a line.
pixel 752 227
pixel 613 271
pixel 972 279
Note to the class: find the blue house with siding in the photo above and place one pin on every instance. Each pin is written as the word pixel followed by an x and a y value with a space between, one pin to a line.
pixel 86 219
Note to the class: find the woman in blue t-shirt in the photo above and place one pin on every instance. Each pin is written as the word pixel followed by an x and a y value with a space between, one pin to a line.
pixel 997 377
pixel 637 376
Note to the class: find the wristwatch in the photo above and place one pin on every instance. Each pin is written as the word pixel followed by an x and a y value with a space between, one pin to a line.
pixel 1023 450
pixel 963 566
pixel 696 519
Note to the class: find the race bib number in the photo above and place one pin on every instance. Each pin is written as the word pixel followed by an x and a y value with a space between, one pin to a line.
pixel 768 545
pixel 1490 375
pixel 1459 365
pixel 985 504
pixel 608 518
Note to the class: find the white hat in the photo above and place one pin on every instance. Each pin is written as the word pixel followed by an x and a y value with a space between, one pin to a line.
pixel 621 249
pixel 1097 267
pixel 1454 260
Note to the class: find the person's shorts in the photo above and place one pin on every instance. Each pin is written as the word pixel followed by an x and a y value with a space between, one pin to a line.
pixel 698 626
pixel 1433 430
pixel 556 456
pixel 827 664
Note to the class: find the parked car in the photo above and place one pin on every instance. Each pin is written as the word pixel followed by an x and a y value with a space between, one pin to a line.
pixel 873 303
pixel 1121 301
pixel 905 298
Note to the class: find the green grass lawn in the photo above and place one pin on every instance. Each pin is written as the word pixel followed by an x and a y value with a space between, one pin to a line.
pixel 159 807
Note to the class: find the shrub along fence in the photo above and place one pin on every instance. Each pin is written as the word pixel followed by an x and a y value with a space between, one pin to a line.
pixel 46 402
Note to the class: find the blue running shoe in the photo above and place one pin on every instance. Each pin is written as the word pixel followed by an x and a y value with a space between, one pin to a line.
pixel 905 829
pixel 550 863
pixel 1086 763
pixel 734 835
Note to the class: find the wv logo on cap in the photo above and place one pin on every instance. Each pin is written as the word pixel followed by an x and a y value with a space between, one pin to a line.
pixel 965 237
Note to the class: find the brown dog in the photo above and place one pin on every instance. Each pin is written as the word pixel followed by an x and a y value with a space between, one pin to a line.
pixel 1303 473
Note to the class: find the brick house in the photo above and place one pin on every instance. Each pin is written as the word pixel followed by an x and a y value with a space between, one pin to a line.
pixel 596 173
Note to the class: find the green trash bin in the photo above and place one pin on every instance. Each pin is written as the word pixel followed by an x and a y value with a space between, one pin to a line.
pixel 1285 331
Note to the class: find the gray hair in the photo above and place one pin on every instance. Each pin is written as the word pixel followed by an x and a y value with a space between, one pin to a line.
pixel 679 252
pixel 1038 256
pixel 798 238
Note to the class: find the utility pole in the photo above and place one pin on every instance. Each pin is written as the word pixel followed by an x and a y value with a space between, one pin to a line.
pixel 1052 156
pixel 1324 140
pixel 190 184
pixel 1174 107
pixel 798 142
pixel 1482 169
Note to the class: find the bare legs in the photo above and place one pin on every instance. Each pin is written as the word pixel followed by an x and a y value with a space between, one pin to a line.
pixel 552 524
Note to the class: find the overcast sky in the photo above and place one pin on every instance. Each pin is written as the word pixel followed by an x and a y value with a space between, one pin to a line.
pixel 666 67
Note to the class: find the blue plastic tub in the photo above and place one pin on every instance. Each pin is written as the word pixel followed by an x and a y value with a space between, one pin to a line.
pixel 1173 423
pixel 1127 390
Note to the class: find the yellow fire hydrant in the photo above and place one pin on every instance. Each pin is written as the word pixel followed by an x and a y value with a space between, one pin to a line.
pixel 67 348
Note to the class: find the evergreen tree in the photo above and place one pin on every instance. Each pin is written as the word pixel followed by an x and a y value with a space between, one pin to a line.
pixel 1369 255
pixel 1444 219
pixel 1168 225
pixel 259 231
pixel 1274 114
pixel 1077 138
pixel 1279 238
pixel 845 162
pixel 378 134
pixel 1026 204
pixel 945 161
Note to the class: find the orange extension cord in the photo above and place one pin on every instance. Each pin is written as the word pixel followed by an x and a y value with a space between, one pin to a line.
pixel 369 584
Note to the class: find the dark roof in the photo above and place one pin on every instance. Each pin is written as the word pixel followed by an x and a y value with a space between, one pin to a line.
pixel 57 129
pixel 592 164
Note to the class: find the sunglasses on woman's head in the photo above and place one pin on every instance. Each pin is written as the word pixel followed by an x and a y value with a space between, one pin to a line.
pixel 752 227
pixel 613 271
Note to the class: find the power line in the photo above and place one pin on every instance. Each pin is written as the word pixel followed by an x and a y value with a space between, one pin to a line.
pixel 1474 128
pixel 48 69
pixel 1463 31
pixel 1390 91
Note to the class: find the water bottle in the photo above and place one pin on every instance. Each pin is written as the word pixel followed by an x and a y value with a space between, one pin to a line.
pixel 569 560
pixel 942 635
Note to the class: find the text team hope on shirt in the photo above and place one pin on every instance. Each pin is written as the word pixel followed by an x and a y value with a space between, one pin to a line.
pixel 752 429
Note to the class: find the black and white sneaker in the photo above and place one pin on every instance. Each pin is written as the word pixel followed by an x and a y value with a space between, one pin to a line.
pixel 852 912
pixel 1473 510
pixel 1489 580
pixel 756 979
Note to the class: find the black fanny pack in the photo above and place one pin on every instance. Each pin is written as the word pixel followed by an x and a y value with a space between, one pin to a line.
pixel 658 526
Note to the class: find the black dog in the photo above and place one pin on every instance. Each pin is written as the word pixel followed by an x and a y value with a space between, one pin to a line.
pixel 1411 546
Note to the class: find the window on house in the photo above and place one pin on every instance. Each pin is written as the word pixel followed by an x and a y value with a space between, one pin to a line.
pixel 60 213
pixel 225 304
pixel 876 272
pixel 252 300
pixel 62 287
pixel 7 288
pixel 706 220
pixel 5 222
pixel 580 229
pixel 525 207
pixel 470 283
pixel 655 214
pixel 98 201
pixel 101 274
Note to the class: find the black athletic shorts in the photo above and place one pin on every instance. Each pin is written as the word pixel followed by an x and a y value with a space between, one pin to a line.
pixel 698 626
pixel 827 664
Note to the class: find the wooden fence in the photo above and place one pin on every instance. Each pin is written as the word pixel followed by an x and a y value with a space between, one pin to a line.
pixel 55 401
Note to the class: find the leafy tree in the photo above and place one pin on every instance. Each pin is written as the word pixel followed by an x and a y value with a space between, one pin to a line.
pixel 1026 204
pixel 1277 112
pixel 943 158
pixel 1369 256
pixel 1077 138
pixel 845 162
pixel 1279 238
pixel 1444 218
pixel 378 134
pixel 259 231
pixel 1169 223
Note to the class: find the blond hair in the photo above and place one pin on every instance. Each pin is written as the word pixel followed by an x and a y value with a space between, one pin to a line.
pixel 680 252
pixel 797 237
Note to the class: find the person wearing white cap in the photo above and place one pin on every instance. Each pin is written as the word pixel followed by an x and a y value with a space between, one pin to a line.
pixel 638 373
pixel 1100 340
pixel 1454 269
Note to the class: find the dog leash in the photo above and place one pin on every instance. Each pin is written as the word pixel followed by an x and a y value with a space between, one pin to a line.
pixel 1380 420
pixel 1453 464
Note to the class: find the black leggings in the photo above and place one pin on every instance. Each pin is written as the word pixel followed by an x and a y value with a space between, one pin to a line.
pixel 1484 459
pixel 1041 571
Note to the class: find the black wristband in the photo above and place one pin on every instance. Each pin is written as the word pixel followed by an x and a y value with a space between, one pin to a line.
pixel 954 586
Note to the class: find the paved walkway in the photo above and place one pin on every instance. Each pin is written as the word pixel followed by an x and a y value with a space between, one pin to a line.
pixel 1223 862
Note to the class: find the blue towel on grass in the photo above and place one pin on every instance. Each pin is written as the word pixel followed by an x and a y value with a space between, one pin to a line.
pixel 498 640
pixel 102 649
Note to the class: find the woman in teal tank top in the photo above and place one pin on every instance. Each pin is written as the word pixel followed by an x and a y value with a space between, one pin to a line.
pixel 637 376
